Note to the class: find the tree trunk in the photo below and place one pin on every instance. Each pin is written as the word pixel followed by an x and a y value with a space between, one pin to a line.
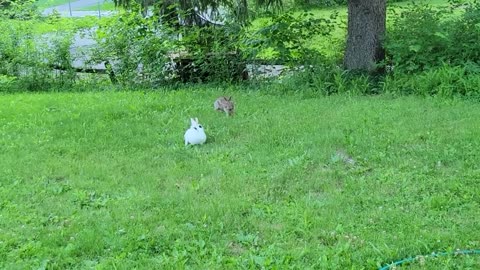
pixel 366 31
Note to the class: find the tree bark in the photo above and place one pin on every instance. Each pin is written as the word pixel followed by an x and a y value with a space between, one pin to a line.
pixel 366 31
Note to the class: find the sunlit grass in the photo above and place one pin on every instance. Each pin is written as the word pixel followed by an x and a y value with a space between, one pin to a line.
pixel 51 3
pixel 104 5
pixel 103 180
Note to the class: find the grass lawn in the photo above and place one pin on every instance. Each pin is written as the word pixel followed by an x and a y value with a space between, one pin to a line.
pixel 50 3
pixel 22 28
pixel 104 181
pixel 105 5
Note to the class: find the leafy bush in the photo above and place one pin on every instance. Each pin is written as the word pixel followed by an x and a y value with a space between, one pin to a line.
pixel 423 37
pixel 286 37
pixel 216 52
pixel 19 57
pixel 136 47
pixel 29 59
pixel 144 52
pixel 24 10
pixel 465 35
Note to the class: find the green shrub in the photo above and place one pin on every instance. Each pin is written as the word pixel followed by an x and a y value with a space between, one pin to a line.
pixel 418 39
pixel 136 47
pixel 29 59
pixel 144 52
pixel 466 36
pixel 216 52
pixel 7 82
pixel 286 37
pixel 24 10
pixel 422 37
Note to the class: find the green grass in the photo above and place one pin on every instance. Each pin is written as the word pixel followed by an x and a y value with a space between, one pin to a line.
pixel 104 6
pixel 50 3
pixel 443 262
pixel 42 26
pixel 103 180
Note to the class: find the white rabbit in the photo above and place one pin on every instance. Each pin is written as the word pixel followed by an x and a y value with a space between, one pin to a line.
pixel 195 134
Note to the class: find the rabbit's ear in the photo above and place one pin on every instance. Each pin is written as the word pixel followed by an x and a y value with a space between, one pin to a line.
pixel 230 98
pixel 196 120
pixel 192 121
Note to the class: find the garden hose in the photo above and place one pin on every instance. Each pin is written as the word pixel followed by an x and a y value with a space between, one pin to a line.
pixel 411 259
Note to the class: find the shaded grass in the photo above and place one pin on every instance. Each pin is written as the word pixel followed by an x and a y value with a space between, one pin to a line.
pixel 104 180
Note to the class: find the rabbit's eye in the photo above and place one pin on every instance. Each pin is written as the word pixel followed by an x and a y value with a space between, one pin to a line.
pixel 200 126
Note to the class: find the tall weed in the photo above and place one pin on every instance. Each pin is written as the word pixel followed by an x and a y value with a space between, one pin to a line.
pixel 325 79
pixel 445 81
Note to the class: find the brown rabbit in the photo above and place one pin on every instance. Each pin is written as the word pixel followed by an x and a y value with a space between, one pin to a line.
pixel 224 104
